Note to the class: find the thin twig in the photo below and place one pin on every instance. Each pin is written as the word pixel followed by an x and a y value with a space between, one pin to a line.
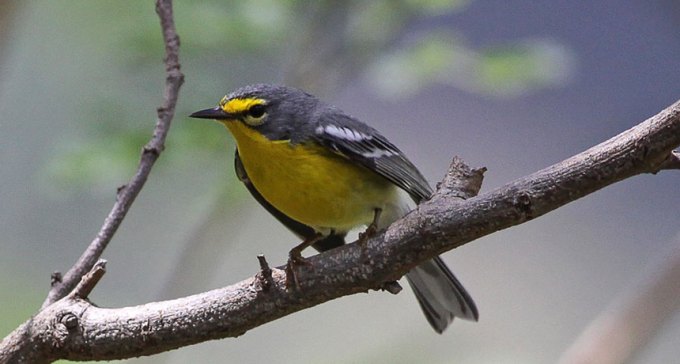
pixel 440 224
pixel 461 180
pixel 89 280
pixel 265 274
pixel 150 153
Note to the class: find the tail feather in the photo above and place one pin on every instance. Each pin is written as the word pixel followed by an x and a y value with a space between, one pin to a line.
pixel 440 295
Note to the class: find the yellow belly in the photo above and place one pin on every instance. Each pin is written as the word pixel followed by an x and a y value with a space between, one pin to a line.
pixel 311 184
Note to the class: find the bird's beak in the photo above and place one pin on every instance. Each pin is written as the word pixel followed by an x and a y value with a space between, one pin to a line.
pixel 215 113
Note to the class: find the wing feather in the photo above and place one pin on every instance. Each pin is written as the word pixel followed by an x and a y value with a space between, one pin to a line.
pixel 358 142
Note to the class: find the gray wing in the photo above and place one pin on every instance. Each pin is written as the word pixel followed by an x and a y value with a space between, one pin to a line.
pixel 357 141
pixel 440 295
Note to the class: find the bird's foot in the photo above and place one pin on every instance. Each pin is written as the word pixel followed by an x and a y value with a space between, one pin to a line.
pixel 370 232
pixel 295 260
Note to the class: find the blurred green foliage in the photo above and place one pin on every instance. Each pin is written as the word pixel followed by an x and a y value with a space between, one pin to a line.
pixel 228 43
pixel 442 57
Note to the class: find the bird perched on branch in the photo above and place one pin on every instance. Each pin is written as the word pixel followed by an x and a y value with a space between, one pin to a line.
pixel 322 173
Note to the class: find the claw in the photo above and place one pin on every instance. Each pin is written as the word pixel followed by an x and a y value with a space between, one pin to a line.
pixel 372 228
pixel 370 231
pixel 296 259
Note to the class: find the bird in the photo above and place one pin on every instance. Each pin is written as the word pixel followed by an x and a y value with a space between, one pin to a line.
pixel 322 173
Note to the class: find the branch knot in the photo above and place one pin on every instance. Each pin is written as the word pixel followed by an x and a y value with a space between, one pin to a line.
pixel 523 203
pixel 65 324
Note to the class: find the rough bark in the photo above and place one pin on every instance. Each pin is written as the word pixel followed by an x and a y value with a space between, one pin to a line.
pixel 73 328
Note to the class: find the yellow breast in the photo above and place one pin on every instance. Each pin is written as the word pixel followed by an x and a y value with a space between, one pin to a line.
pixel 310 183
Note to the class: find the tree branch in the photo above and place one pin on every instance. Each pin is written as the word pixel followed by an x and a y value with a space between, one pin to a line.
pixel 90 280
pixel 443 223
pixel 150 153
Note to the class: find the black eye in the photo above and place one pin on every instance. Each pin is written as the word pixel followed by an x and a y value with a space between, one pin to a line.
pixel 256 111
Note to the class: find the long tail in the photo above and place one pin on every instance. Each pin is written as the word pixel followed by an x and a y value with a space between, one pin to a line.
pixel 440 294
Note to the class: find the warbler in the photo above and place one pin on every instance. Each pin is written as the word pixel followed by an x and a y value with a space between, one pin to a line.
pixel 322 173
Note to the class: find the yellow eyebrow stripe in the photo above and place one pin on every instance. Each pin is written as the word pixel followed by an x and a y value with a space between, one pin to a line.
pixel 236 106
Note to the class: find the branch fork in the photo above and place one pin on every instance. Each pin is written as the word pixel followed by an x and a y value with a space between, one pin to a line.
pixel 70 327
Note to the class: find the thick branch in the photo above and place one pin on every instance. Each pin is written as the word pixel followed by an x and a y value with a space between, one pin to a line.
pixel 150 153
pixel 438 225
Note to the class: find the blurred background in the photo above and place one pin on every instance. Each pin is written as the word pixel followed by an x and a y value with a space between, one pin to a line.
pixel 513 86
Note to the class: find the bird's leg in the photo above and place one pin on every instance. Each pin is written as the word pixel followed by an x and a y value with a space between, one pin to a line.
pixel 371 229
pixel 393 286
pixel 295 258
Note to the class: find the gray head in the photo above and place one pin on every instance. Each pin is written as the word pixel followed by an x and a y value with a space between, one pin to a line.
pixel 278 112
